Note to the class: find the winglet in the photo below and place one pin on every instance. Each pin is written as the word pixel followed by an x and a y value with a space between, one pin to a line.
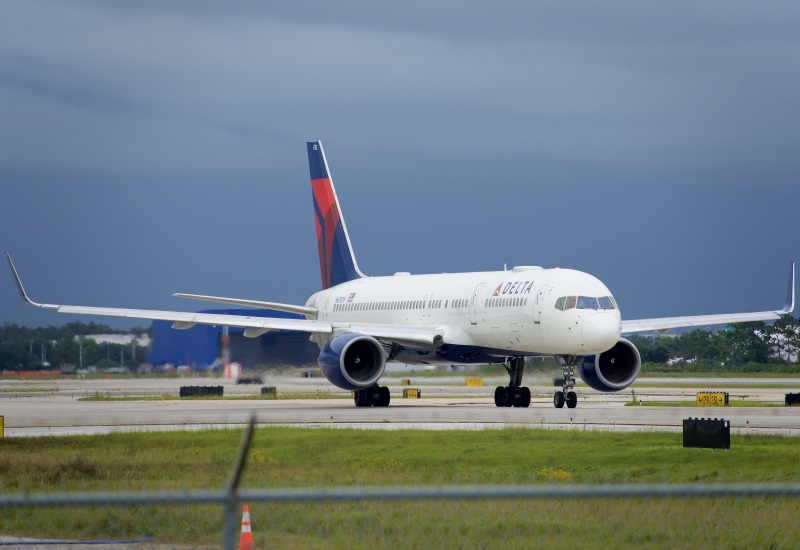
pixel 21 289
pixel 788 307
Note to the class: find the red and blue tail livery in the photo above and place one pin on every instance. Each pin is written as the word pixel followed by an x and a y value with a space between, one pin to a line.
pixel 337 263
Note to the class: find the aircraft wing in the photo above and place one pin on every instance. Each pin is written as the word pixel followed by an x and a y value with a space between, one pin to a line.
pixel 302 310
pixel 664 324
pixel 424 338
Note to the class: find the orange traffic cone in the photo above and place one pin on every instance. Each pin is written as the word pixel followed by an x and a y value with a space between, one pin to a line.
pixel 246 538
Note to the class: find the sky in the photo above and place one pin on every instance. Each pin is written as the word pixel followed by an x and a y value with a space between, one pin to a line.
pixel 154 147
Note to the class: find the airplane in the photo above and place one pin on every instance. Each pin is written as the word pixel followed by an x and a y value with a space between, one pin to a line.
pixel 360 323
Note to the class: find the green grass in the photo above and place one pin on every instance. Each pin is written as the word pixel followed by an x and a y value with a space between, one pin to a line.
pixel 717 374
pixel 251 397
pixel 27 389
pixel 693 403
pixel 288 457
pixel 717 383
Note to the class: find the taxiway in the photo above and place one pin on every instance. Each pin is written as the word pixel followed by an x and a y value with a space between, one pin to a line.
pixel 56 407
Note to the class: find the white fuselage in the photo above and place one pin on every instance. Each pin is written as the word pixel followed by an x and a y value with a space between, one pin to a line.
pixel 502 312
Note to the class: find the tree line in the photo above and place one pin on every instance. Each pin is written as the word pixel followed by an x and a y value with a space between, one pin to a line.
pixel 51 347
pixel 743 347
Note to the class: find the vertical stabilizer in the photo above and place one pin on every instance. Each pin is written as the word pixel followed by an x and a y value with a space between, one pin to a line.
pixel 337 263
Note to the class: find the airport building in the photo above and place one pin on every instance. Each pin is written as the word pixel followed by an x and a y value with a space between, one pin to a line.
pixel 201 346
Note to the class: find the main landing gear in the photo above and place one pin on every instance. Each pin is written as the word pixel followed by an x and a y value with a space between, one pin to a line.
pixel 374 396
pixel 568 396
pixel 513 395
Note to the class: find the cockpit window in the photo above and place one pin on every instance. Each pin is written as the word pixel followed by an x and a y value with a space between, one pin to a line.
pixel 607 302
pixel 585 302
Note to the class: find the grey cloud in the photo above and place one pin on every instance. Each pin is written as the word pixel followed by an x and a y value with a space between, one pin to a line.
pixel 630 139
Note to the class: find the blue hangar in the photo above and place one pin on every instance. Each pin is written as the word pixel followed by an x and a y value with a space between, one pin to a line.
pixel 200 347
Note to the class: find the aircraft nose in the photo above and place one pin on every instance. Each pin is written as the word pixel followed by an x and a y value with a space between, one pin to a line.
pixel 601 330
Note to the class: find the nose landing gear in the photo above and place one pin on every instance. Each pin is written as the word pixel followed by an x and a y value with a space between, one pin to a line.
pixel 567 395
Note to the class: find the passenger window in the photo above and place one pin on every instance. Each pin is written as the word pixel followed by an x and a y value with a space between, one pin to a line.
pixel 584 302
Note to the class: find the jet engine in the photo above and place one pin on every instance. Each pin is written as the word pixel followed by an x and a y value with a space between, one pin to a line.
pixel 612 370
pixel 352 361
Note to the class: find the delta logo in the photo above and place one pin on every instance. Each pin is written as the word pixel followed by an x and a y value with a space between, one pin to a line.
pixel 517 287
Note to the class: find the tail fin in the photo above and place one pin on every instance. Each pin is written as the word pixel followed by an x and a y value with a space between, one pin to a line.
pixel 337 262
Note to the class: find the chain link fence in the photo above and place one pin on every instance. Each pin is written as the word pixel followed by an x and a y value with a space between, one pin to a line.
pixel 733 515
pixel 647 515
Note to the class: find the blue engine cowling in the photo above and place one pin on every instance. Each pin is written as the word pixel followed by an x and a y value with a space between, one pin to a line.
pixel 353 361
pixel 612 370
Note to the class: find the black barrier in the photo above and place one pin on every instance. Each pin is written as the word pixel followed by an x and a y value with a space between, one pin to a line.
pixel 793 399
pixel 249 380
pixel 269 390
pixel 192 391
pixel 706 433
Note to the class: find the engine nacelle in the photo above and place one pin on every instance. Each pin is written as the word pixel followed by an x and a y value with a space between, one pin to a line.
pixel 352 361
pixel 612 370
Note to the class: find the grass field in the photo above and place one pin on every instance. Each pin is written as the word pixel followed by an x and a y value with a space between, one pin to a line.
pixel 249 397
pixel 288 457
pixel 693 403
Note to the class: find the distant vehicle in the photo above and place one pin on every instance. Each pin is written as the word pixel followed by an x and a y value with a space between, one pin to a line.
pixel 362 322
pixel 249 380
pixel 116 370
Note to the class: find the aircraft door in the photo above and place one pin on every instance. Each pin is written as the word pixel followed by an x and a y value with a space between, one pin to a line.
pixel 537 303
pixel 473 305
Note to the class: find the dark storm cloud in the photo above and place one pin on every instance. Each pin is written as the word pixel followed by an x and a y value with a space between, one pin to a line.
pixel 640 141
pixel 619 83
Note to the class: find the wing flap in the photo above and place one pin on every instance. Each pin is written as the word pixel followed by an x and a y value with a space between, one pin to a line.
pixel 183 318
pixel 275 306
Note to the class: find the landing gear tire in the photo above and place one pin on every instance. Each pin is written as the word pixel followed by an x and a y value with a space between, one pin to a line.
pixel 513 395
pixel 377 396
pixel 568 364
pixel 572 400
pixel 525 397
pixel 499 396
pixel 508 396
pixel 385 397
pixel 360 398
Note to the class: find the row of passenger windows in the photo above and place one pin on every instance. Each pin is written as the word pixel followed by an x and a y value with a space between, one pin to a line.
pixel 585 302
pixel 400 305
pixel 506 302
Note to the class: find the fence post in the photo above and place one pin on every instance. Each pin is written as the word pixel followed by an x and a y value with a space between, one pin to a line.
pixel 231 509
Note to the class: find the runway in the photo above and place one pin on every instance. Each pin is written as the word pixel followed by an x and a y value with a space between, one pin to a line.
pixel 53 407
